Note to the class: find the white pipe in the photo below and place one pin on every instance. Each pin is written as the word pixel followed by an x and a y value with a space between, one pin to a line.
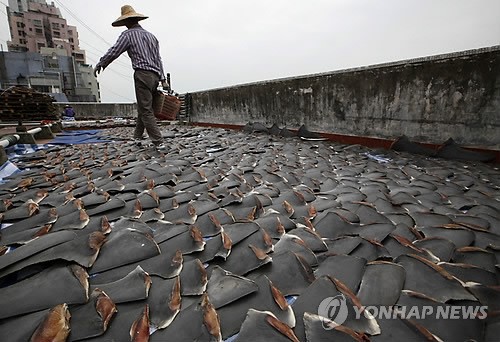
pixel 34 130
pixel 5 142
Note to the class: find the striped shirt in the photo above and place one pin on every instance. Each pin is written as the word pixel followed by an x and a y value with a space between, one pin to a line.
pixel 142 47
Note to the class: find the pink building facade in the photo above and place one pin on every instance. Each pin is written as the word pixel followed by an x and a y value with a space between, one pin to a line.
pixel 42 26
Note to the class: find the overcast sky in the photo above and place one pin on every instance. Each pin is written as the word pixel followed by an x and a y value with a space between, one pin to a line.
pixel 217 43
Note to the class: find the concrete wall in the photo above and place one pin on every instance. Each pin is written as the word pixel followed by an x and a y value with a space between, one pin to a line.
pixel 428 99
pixel 92 110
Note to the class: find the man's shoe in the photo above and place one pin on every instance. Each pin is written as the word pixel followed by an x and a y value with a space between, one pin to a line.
pixel 161 147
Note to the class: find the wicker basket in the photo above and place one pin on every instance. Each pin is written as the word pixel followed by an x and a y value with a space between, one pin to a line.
pixel 166 106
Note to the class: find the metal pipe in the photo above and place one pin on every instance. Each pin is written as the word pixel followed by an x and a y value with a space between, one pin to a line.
pixel 8 140
pixel 34 130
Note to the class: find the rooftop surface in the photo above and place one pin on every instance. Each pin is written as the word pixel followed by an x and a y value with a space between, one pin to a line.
pixel 246 236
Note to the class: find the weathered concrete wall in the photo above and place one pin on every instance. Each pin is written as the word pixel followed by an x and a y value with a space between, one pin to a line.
pixel 93 110
pixel 428 99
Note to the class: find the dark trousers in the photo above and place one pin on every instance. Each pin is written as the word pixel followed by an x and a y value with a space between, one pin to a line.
pixel 146 83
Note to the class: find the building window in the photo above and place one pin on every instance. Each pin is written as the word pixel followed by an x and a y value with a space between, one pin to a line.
pixel 51 62
pixel 71 40
pixel 57 34
pixel 55 26
pixel 37 22
pixel 70 32
pixel 39 32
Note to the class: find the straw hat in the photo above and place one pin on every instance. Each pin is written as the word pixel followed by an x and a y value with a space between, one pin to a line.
pixel 128 12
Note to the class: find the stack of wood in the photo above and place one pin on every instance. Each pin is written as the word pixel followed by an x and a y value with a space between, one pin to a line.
pixel 25 104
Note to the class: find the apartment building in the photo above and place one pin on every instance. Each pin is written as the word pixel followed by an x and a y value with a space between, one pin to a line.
pixel 44 53
pixel 34 25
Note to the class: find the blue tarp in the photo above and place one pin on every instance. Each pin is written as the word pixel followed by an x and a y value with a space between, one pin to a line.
pixel 79 137
pixel 6 170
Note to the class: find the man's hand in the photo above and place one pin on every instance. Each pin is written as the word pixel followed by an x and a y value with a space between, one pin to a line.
pixel 165 85
pixel 97 70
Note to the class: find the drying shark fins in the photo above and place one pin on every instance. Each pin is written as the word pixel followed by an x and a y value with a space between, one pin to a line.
pixel 382 284
pixel 55 326
pixel 267 298
pixel 139 331
pixel 295 244
pixel 216 247
pixel 134 286
pixel 262 326
pixel 165 265
pixel 197 322
pixel 95 198
pixel 469 273
pixel 185 213
pixel 92 319
pixel 431 280
pixel 467 327
pixel 120 327
pixel 306 134
pixel 139 246
pixel 239 231
pixel 164 301
pixel 397 329
pixel 327 287
pixel 188 242
pixel 288 271
pixel 321 329
pixel 21 328
pixel 25 236
pixel 451 150
pixel 109 206
pixel 66 284
pixel 311 239
pixel 475 256
pixel 75 220
pixel 36 246
pixel 438 246
pixel 24 211
pixel 333 226
pixel 205 240
pixel 459 236
pixel 254 258
pixel 487 295
pixel 208 224
pixel 83 250
pixel 193 278
pixel 44 217
pixel 404 144
pixel 224 287
pixel 346 268
pixel 273 225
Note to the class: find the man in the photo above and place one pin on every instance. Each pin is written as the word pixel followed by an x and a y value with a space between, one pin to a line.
pixel 144 51
pixel 69 113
